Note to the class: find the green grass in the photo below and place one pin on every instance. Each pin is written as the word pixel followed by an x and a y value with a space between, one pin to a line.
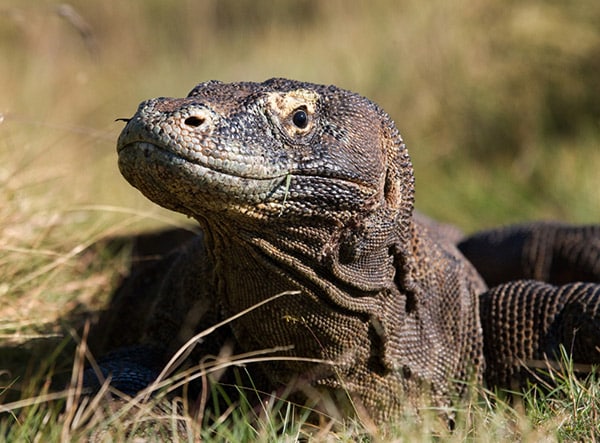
pixel 499 106
pixel 563 408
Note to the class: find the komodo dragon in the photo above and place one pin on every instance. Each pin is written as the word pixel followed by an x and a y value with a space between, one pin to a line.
pixel 308 188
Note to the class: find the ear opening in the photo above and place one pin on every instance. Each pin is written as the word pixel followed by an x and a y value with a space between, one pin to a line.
pixel 399 181
pixel 399 175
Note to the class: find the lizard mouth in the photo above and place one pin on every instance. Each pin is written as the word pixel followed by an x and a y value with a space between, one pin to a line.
pixel 243 167
pixel 192 186
pixel 257 182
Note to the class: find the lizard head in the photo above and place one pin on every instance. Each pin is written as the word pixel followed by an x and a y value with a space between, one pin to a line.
pixel 279 148
pixel 280 153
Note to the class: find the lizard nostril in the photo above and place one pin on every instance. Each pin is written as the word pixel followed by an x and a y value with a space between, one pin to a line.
pixel 194 121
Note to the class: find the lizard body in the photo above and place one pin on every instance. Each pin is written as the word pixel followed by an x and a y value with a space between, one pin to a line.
pixel 305 188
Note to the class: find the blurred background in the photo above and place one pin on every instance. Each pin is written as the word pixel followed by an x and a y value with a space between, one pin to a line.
pixel 498 102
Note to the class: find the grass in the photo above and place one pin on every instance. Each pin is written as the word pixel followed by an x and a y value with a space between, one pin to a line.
pixel 500 111
pixel 563 409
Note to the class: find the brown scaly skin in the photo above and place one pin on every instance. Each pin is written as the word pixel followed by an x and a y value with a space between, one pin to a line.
pixel 305 187
pixel 309 188
pixel 568 315
pixel 552 252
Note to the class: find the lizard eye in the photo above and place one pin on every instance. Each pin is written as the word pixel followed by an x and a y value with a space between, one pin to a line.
pixel 300 118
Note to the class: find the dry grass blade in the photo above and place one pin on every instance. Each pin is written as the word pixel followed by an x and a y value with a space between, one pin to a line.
pixel 138 215
pixel 185 350
pixel 204 369
pixel 41 399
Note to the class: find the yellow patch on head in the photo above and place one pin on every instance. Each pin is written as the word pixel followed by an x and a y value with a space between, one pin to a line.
pixel 286 102
pixel 285 105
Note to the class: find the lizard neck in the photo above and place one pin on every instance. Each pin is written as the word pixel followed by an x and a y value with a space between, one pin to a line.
pixel 336 262
pixel 327 318
pixel 249 269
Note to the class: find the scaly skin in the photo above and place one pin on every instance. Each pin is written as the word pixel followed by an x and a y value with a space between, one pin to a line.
pixel 307 188
pixel 552 252
pixel 568 315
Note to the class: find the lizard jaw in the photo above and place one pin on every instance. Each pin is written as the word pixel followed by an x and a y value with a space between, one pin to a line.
pixel 178 184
